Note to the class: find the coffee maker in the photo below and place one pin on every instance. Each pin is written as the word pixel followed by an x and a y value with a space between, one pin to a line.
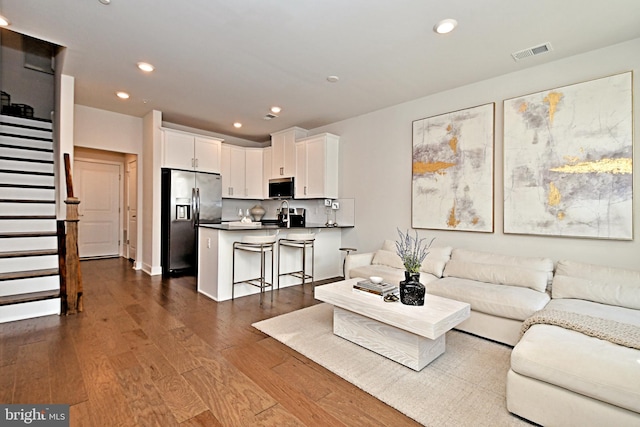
pixel 297 217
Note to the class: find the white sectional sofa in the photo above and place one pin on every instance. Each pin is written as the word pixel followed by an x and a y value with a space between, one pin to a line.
pixel 560 376
pixel 502 290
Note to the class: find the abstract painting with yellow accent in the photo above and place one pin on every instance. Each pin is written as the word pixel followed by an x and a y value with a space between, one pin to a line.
pixel 453 171
pixel 568 161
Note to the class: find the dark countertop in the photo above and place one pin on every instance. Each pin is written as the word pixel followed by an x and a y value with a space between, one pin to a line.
pixel 266 226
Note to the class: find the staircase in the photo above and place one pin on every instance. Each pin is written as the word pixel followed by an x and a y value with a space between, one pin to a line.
pixel 29 261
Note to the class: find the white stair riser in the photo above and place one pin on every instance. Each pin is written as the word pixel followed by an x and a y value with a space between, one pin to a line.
pixel 29 310
pixel 27 193
pixel 25 154
pixel 21 142
pixel 28 243
pixel 27 209
pixel 15 165
pixel 11 265
pixel 32 284
pixel 14 130
pixel 27 225
pixel 25 122
pixel 16 178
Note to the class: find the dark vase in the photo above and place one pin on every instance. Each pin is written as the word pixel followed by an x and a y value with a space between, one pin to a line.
pixel 411 290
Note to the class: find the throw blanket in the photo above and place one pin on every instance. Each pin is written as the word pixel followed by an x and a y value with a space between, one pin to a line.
pixel 618 333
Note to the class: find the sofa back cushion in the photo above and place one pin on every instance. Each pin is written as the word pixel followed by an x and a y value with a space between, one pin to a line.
pixel 434 263
pixel 527 272
pixel 606 285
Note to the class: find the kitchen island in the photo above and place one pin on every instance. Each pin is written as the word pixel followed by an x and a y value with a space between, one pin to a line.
pixel 215 263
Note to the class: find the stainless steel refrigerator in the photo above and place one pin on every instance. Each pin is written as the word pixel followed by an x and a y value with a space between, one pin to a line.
pixel 188 199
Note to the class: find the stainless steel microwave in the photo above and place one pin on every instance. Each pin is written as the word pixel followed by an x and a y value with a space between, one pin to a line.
pixel 281 188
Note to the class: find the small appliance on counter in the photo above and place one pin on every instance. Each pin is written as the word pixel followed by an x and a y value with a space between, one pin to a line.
pixel 297 216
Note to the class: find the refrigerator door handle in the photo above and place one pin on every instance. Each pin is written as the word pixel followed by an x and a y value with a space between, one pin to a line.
pixel 194 207
pixel 197 206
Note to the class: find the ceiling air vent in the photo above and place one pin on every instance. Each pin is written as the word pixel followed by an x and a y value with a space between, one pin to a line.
pixel 532 51
pixel 270 116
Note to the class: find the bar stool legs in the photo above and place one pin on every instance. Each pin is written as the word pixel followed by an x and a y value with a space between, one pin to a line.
pixel 298 241
pixel 260 245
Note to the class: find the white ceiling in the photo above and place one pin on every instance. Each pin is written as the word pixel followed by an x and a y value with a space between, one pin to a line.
pixel 221 61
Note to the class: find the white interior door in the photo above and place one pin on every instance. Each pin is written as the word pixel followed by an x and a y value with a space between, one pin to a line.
pixel 98 188
pixel 132 208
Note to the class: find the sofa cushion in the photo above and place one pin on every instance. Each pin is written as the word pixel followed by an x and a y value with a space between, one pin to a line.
pixel 585 365
pixel 512 302
pixel 434 262
pixel 606 285
pixel 528 272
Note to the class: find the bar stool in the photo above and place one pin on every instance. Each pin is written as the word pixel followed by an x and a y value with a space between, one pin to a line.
pixel 344 263
pixel 298 241
pixel 255 244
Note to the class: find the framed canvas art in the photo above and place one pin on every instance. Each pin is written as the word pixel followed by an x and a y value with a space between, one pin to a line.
pixel 452 171
pixel 568 161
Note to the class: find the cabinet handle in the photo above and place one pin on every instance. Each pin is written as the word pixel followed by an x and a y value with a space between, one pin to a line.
pixel 305 190
pixel 282 171
pixel 196 162
pixel 192 162
pixel 231 191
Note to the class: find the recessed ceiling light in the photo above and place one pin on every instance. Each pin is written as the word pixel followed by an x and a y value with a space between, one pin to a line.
pixel 105 2
pixel 4 22
pixel 333 79
pixel 237 125
pixel 445 26
pixel 146 67
pixel 122 95
pixel 276 109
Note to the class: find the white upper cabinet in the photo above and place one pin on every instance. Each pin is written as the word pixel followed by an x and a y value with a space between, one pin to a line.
pixel 183 150
pixel 242 172
pixel 317 167
pixel 283 151
pixel 266 171
pixel 253 177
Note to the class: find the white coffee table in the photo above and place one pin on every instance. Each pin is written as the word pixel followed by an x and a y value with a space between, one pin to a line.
pixel 411 335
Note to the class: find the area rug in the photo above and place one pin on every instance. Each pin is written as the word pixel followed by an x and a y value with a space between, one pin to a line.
pixel 463 387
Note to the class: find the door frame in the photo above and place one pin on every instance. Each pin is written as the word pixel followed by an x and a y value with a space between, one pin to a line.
pixel 129 181
pixel 120 195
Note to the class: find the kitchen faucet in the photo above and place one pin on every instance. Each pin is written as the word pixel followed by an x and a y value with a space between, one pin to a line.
pixel 287 219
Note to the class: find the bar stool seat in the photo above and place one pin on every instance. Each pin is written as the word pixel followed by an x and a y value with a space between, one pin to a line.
pixel 255 244
pixel 298 241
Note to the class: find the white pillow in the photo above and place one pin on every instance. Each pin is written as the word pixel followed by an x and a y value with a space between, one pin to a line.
pixel 436 260
pixel 606 285
pixel 391 259
pixel 497 274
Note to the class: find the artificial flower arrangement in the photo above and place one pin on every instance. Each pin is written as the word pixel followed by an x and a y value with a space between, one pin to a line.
pixel 412 250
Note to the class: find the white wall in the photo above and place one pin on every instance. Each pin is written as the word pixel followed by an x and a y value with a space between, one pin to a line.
pixel 375 157
pixel 105 130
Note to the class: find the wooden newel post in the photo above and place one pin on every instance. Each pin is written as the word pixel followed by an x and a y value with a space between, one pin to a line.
pixel 73 278
pixel 72 261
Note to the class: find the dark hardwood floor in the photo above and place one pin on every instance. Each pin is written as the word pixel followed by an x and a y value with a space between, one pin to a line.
pixel 152 351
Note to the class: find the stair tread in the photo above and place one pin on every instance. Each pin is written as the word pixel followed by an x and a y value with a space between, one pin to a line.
pixel 26 172
pixel 30 186
pixel 19 254
pixel 28 274
pixel 29 297
pixel 22 159
pixel 17 217
pixel 28 234
pixel 27 201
